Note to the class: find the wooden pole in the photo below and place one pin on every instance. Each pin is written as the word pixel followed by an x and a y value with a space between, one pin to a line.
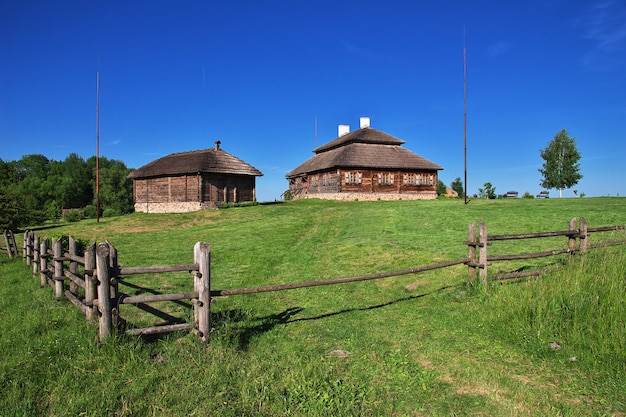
pixel 202 285
pixel 43 266
pixel 471 252
pixel 114 266
pixel 36 255
pixel 73 249
pixel 482 251
pixel 571 241
pixel 105 325
pixel 28 247
pixel 57 246
pixel 584 234
pixel 90 281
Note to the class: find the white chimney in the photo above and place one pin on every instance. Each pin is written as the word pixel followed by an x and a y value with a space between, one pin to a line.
pixel 365 122
pixel 343 130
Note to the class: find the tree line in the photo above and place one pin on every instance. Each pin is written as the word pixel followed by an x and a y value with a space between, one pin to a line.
pixel 34 189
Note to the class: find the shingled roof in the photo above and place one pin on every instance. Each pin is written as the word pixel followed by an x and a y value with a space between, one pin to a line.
pixel 212 160
pixel 363 148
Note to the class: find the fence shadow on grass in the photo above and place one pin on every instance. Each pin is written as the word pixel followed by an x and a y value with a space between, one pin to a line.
pixel 242 335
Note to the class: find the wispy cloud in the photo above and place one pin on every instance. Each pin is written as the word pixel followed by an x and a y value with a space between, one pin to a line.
pixel 114 142
pixel 605 25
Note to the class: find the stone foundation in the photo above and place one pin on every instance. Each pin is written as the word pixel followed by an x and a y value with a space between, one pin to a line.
pixel 427 195
pixel 177 207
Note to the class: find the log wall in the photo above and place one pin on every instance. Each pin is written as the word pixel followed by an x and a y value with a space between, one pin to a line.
pixel 185 193
pixel 343 184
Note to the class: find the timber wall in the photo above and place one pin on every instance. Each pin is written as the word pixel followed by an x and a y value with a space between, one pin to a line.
pixel 366 185
pixel 185 193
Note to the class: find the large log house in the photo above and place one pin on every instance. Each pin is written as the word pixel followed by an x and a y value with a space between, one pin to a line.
pixel 190 181
pixel 365 164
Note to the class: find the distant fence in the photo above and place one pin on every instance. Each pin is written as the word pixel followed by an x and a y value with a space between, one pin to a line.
pixel 8 244
pixel 91 281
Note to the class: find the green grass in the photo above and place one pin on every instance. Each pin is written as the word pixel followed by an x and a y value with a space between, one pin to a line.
pixel 416 345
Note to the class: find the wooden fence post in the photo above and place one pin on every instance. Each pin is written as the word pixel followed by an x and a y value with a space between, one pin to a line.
pixel 202 285
pixel 114 285
pixel 72 250
pixel 471 252
pixel 90 281
pixel 57 247
pixel 584 234
pixel 36 255
pixel 482 251
pixel 105 325
pixel 27 247
pixel 571 243
pixel 43 266
pixel 113 265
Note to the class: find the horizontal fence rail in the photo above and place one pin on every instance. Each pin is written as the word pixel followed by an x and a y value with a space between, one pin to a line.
pixel 331 281
pixel 480 260
pixel 91 280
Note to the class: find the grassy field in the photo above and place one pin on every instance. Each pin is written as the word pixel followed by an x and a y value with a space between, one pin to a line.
pixel 416 345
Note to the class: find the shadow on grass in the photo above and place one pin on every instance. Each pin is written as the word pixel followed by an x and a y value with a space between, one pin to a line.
pixel 168 319
pixel 234 322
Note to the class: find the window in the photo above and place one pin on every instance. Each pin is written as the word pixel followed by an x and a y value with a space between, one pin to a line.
pixel 354 178
pixel 419 179
pixel 385 178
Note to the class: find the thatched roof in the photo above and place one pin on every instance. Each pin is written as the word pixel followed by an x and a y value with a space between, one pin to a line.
pixel 213 160
pixel 363 135
pixel 365 148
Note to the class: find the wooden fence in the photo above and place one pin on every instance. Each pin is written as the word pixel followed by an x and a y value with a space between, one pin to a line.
pixel 9 244
pixel 91 282
pixel 93 278
pixel 479 241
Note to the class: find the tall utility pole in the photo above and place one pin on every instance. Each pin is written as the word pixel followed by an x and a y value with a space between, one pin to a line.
pixel 464 118
pixel 98 147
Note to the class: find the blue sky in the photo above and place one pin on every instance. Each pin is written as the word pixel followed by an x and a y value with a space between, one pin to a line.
pixel 272 80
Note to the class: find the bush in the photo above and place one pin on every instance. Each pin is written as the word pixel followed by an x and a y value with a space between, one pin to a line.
pixel 52 210
pixel 111 213
pixel 90 212
pixel 528 195
pixel 73 215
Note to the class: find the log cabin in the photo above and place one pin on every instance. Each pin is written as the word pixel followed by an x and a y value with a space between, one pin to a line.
pixel 195 180
pixel 365 164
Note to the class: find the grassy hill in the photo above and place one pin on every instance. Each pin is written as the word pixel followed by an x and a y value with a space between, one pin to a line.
pixel 418 345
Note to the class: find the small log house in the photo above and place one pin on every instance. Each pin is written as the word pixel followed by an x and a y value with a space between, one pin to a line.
pixel 190 181
pixel 365 164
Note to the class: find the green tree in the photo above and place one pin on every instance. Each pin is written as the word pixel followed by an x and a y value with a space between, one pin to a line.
pixel 488 192
pixel 116 189
pixel 441 188
pixel 73 182
pixel 457 185
pixel 561 168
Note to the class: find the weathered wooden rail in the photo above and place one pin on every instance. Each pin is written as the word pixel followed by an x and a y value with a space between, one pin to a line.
pixel 93 279
pixel 479 240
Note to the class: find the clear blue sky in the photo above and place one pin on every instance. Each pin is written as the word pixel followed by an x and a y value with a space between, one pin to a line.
pixel 179 75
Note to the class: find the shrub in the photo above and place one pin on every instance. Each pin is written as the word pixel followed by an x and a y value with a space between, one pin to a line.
pixel 110 213
pixel 90 212
pixel 52 210
pixel 528 195
pixel 73 215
